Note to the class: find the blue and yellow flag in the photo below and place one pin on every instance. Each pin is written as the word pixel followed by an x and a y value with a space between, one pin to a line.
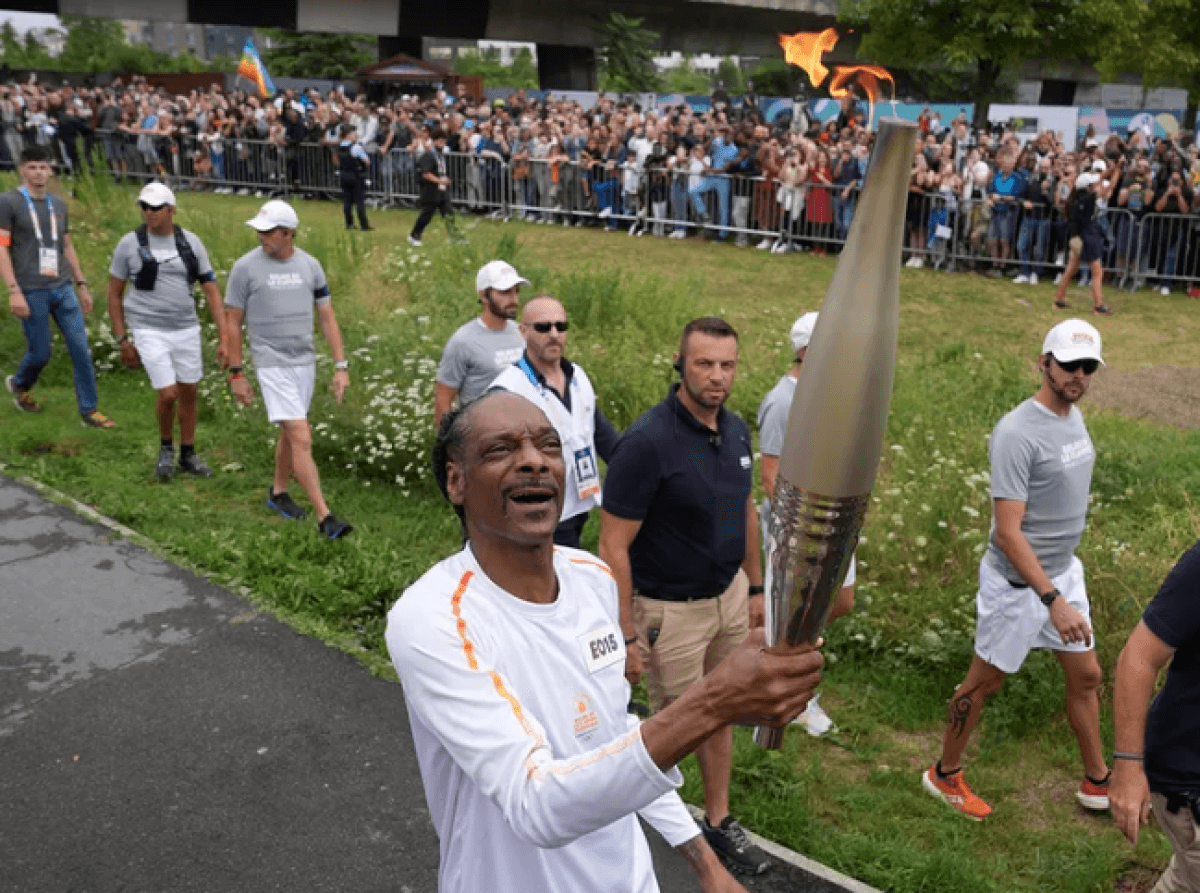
pixel 252 69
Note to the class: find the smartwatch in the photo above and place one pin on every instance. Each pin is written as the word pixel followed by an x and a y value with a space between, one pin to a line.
pixel 1049 597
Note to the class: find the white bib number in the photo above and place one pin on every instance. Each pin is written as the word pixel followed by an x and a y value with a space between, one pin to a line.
pixel 48 261
pixel 601 648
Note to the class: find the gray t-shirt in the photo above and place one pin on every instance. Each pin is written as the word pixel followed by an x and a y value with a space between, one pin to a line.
pixel 14 217
pixel 773 416
pixel 1045 461
pixel 170 305
pixel 475 355
pixel 278 297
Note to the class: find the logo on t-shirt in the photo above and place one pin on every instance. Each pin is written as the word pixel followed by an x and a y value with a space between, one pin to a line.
pixel 586 720
pixel 284 281
pixel 1076 453
pixel 504 358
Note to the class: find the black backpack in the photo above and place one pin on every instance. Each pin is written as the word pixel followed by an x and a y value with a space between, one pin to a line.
pixel 148 274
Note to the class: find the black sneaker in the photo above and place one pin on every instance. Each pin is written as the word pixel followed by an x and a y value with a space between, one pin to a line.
pixel 194 465
pixel 730 841
pixel 285 505
pixel 333 528
pixel 165 466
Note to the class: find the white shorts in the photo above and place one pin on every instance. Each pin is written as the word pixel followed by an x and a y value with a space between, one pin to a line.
pixel 1012 621
pixel 170 356
pixel 287 391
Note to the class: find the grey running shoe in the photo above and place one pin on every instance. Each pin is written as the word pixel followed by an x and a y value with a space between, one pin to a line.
pixel 194 465
pixel 285 505
pixel 165 466
pixel 730 841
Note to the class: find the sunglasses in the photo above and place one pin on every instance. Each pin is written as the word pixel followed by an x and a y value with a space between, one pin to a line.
pixel 146 207
pixel 543 328
pixel 1088 366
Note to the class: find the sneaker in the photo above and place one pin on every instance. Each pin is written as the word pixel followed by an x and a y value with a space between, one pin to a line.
pixel 730 841
pixel 1164 291
pixel 1021 280
pixel 765 245
pixel 416 243
pixel 815 720
pixel 96 419
pixel 195 466
pixel 333 528
pixel 1092 796
pixel 165 466
pixel 1102 310
pixel 1058 279
pixel 1033 278
pixel 954 790
pixel 605 212
pixel 285 505
pixel 22 400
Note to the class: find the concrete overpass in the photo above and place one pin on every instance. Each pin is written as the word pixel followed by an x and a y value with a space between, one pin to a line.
pixel 566 31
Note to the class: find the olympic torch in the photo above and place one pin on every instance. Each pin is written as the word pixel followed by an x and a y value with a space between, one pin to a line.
pixel 839 413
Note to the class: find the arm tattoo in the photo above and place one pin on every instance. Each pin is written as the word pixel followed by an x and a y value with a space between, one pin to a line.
pixel 694 851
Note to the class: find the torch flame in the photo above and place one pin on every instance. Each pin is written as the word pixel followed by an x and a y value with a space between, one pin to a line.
pixel 806 49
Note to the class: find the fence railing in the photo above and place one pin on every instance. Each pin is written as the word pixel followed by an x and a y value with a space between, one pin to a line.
pixel 943 230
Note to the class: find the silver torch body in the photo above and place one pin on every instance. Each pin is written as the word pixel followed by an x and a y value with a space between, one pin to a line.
pixel 838 418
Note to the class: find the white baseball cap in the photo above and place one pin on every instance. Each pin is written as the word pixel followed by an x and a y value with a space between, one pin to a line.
pixel 1084 180
pixel 1073 339
pixel 498 274
pixel 1099 165
pixel 802 330
pixel 274 214
pixel 156 195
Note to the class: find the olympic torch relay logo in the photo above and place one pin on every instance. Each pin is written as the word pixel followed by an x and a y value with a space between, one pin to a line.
pixel 805 50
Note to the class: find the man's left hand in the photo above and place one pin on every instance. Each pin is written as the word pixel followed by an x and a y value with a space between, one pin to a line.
pixel 341 381
pixel 758 614
pixel 1129 795
pixel 85 299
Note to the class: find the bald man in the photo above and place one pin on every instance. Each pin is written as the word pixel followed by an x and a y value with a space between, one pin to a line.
pixel 563 391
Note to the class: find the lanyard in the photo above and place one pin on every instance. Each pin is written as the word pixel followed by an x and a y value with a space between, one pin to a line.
pixel 37 227
pixel 554 405
pixel 441 162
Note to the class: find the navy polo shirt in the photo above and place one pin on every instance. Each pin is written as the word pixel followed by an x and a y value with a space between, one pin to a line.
pixel 688 485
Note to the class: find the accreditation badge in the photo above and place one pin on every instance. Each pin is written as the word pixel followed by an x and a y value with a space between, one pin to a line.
pixel 587 475
pixel 48 261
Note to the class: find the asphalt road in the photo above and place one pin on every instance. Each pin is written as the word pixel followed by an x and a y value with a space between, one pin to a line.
pixel 159 734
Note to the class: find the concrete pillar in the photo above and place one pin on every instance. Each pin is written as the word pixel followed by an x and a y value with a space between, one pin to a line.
pixel 566 67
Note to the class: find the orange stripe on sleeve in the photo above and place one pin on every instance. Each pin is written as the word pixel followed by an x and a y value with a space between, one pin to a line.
pixel 456 608
pixel 600 564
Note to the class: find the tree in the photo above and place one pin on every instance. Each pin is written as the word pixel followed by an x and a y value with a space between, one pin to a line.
pixel 295 54
pixel 774 77
pixel 981 38
pixel 91 44
pixel 686 79
pixel 730 74
pixel 521 75
pixel 18 53
pixel 1158 41
pixel 626 57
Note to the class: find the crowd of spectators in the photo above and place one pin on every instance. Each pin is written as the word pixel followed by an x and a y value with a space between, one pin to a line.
pixel 985 199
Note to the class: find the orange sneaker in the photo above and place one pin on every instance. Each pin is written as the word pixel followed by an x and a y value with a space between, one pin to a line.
pixel 954 790
pixel 1093 796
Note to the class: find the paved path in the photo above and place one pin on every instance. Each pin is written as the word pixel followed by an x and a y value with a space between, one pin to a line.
pixel 158 734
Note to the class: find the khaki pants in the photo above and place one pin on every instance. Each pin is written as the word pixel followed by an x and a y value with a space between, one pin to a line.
pixel 693 637
pixel 1183 874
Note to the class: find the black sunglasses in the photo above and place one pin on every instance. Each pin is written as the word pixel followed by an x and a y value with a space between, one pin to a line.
pixel 146 207
pixel 1088 366
pixel 544 327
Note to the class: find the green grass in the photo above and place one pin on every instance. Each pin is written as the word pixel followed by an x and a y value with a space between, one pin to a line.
pixel 967 347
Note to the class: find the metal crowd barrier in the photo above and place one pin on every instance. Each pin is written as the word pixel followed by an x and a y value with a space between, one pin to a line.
pixel 1167 250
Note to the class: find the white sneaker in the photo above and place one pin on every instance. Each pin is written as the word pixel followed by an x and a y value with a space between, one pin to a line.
pixel 1164 291
pixel 1021 280
pixel 1033 278
pixel 605 212
pixel 911 262
pixel 678 234
pixel 765 245
pixel 815 720
pixel 416 243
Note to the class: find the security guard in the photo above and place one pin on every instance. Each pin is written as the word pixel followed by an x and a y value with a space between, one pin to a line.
pixel 164 262
pixel 353 166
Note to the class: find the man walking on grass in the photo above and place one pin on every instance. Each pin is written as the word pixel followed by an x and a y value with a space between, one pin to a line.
pixel 275 289
pixel 1031 585
pixel 155 321
pixel 39 264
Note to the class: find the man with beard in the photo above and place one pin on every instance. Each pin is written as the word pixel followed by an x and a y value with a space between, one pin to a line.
pixel 1031 584
pixel 513 672
pixel 680 531
pixel 485 346
pixel 563 391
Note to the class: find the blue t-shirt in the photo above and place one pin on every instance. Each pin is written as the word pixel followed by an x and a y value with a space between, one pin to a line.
pixel 1010 187
pixel 688 485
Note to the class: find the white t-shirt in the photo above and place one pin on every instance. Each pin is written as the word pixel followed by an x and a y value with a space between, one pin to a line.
pixel 534 771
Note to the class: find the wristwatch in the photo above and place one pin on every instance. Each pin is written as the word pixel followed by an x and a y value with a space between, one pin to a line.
pixel 1049 597
pixel 343 365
